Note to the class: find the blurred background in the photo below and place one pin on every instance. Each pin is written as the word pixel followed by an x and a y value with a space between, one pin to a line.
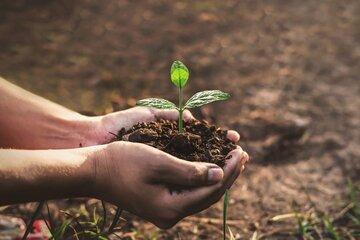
pixel 292 68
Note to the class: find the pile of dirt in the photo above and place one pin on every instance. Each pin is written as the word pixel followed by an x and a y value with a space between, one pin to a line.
pixel 199 141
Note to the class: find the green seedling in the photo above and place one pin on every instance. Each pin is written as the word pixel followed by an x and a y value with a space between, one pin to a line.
pixel 179 75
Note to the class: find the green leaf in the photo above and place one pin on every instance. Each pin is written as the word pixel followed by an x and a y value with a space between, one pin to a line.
pixel 205 97
pixel 179 74
pixel 156 103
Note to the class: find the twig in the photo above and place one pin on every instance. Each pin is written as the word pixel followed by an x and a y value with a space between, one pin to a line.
pixel 348 234
pixel 51 222
pixel 214 220
pixel 283 231
pixel 343 211
pixel 75 232
pixel 254 236
pixel 116 235
pixel 283 216
pixel 318 232
pixel 103 204
pixel 213 227
pixel 115 220
pixel 33 217
pixel 114 134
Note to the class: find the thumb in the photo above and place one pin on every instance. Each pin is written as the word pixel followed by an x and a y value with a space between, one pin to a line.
pixel 184 173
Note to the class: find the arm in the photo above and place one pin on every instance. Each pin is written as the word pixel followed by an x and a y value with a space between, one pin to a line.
pixel 34 175
pixel 103 172
pixel 28 121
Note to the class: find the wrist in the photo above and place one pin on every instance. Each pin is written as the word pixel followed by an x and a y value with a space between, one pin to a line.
pixel 85 131
pixel 107 126
pixel 89 165
pixel 106 160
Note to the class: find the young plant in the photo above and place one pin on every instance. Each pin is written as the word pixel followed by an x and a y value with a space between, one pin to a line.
pixel 179 75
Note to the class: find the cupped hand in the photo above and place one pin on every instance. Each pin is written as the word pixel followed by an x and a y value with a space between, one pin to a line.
pixel 140 179
pixel 111 123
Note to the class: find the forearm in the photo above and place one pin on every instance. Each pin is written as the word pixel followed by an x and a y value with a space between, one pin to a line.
pixel 34 175
pixel 28 121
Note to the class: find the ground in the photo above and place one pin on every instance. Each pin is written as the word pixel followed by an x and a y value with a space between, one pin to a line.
pixel 292 68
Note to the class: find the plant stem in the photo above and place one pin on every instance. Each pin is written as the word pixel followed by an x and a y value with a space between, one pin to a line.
pixel 225 207
pixel 180 121
pixel 180 110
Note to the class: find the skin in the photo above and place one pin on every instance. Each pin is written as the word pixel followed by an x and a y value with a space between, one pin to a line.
pixel 135 176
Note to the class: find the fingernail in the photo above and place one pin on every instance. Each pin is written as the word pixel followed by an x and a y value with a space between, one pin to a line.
pixel 244 158
pixel 215 175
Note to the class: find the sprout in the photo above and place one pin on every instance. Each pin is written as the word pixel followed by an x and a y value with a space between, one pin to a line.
pixel 179 75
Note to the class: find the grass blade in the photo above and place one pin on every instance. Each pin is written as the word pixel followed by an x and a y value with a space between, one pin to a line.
pixel 225 207
pixel 330 228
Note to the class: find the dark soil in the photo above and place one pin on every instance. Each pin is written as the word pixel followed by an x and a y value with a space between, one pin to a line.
pixel 199 141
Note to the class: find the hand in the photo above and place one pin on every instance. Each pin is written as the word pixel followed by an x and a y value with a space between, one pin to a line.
pixel 139 178
pixel 113 122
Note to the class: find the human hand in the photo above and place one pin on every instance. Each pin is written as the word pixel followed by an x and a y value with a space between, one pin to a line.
pixel 140 179
pixel 113 122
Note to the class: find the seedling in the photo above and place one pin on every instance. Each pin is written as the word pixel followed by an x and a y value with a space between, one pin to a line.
pixel 179 75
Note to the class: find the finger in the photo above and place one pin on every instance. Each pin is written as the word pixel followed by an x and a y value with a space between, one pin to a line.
pixel 187 115
pixel 233 136
pixel 172 114
pixel 166 114
pixel 200 198
pixel 214 197
pixel 174 171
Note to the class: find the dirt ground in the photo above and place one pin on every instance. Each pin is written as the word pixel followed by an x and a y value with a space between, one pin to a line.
pixel 292 68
